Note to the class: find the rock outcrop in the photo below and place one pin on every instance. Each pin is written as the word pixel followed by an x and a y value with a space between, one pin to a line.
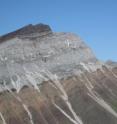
pixel 28 30
pixel 59 53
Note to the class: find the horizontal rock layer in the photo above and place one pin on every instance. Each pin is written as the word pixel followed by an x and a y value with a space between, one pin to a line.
pixel 60 53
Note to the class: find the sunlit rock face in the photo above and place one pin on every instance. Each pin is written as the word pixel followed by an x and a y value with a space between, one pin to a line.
pixel 59 53
pixel 54 78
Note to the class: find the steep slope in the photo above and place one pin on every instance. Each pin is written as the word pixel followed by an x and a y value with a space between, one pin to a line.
pixel 59 53
pixel 54 78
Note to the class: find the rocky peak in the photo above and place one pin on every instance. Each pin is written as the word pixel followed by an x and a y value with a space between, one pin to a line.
pixel 27 31
pixel 37 46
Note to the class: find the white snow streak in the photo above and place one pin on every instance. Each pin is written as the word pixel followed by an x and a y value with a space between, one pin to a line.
pixel 3 120
pixel 68 116
pixel 29 113
pixel 17 84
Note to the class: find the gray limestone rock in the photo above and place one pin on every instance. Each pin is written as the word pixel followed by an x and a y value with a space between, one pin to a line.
pixel 31 45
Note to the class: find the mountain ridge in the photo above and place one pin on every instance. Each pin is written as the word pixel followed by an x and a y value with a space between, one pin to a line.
pixel 26 30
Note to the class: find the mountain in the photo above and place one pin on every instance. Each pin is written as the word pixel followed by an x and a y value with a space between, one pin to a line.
pixel 37 45
pixel 111 63
pixel 54 78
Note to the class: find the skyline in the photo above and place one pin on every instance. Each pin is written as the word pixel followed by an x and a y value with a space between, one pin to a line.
pixel 94 21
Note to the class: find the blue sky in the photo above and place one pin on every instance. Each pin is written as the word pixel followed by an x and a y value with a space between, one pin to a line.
pixel 95 21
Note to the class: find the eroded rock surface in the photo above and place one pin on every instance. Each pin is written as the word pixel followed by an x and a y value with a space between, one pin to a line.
pixel 59 53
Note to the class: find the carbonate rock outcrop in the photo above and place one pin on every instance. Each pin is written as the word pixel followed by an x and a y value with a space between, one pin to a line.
pixel 60 53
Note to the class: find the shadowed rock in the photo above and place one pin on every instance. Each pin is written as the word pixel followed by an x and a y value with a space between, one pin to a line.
pixel 82 84
pixel 26 30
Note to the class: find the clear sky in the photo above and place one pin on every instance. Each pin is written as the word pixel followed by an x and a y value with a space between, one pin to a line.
pixel 94 20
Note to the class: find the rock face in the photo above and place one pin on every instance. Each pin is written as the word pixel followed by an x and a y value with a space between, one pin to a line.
pixel 54 78
pixel 59 53
pixel 28 30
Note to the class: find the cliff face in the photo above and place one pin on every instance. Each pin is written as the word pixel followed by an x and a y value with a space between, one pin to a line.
pixel 32 46
pixel 54 78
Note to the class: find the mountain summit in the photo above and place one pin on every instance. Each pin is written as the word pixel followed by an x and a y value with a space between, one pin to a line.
pixel 27 31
